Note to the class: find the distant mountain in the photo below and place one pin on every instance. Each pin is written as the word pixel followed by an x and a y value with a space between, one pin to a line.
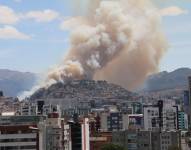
pixel 12 83
pixel 177 79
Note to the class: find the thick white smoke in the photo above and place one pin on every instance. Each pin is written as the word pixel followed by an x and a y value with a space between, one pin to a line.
pixel 120 41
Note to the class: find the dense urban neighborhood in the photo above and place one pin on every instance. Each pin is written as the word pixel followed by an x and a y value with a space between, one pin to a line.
pixel 93 115
pixel 95 75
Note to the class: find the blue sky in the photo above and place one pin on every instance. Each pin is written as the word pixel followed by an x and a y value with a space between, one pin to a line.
pixel 36 41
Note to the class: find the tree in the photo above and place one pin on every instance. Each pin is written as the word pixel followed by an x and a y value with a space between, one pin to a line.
pixel 112 147
pixel 173 148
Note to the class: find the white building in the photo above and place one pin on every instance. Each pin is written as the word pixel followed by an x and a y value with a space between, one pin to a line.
pixel 170 120
pixel 160 116
pixel 54 132
pixel 85 134
pixel 151 118
pixel 28 109
pixel 67 139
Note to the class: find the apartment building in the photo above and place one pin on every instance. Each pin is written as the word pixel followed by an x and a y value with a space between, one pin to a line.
pixel 20 132
pixel 146 140
pixel 161 116
pixel 113 121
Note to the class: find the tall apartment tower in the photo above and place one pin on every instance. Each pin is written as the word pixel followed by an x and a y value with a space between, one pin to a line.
pixel 160 117
pixel 1 93
pixel 189 89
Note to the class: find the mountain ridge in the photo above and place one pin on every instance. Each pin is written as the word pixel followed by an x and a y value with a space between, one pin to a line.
pixel 12 83
pixel 177 79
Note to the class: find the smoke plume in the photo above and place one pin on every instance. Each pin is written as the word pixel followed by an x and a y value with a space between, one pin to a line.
pixel 119 41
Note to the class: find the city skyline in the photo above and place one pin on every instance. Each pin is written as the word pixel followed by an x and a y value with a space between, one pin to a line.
pixel 32 39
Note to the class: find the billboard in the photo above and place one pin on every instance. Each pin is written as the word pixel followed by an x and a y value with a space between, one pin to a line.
pixel 135 121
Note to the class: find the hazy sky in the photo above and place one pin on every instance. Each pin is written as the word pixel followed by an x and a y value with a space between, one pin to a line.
pixel 31 38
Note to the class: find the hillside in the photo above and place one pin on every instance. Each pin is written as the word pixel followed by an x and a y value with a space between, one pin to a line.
pixel 70 93
pixel 177 79
pixel 12 83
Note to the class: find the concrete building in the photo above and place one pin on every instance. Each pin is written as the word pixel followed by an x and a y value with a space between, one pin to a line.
pixel 134 140
pixel 161 116
pixel 54 132
pixel 170 117
pixel 126 139
pixel 189 103
pixel 50 108
pixel 182 120
pixel 131 107
pixel 28 109
pixel 85 134
pixel 76 135
pixel 9 104
pixel 186 102
pixel 67 140
pixel 114 121
pixel 151 118
pixel 168 139
pixel 1 94
pixel 69 112
pixel 60 134
pixel 20 132
pixel 146 140
pixel 39 107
